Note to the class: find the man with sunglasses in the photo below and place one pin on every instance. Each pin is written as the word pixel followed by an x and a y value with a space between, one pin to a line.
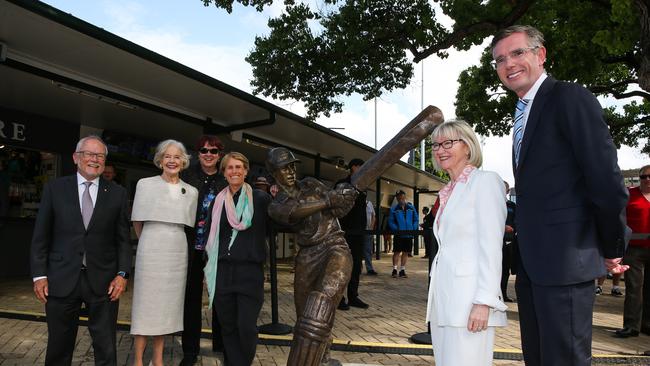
pixel 636 311
pixel 570 196
pixel 205 177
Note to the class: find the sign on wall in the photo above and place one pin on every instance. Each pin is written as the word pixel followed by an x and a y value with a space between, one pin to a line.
pixel 23 129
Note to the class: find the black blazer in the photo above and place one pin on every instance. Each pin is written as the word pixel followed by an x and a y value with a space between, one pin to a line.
pixel 249 245
pixel 570 191
pixel 60 239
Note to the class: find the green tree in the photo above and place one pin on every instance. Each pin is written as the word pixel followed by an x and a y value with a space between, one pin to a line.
pixel 335 48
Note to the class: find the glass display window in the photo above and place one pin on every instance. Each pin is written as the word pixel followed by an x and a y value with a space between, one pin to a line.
pixel 23 173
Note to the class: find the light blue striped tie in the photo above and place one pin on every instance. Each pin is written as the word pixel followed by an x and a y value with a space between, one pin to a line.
pixel 519 127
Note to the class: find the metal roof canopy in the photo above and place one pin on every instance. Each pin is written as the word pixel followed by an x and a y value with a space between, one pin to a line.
pixel 62 67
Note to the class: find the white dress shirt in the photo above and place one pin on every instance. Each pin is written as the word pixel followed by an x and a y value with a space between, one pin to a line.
pixel 530 96
pixel 94 187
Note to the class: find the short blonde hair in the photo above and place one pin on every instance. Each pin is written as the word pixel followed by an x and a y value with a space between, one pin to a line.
pixel 458 129
pixel 163 146
pixel 233 155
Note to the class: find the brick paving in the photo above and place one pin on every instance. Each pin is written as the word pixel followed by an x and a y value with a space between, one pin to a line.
pixel 397 309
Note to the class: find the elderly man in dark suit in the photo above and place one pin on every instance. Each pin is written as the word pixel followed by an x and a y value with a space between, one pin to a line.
pixel 81 253
pixel 570 195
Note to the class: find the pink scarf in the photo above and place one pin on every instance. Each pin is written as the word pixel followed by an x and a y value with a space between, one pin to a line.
pixel 446 191
pixel 240 217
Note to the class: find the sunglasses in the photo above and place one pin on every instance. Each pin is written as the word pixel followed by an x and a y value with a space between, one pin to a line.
pixel 644 176
pixel 205 150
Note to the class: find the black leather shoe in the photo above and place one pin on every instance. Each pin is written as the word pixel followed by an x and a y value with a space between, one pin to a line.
pixel 626 333
pixel 372 272
pixel 188 361
pixel 357 303
pixel 343 305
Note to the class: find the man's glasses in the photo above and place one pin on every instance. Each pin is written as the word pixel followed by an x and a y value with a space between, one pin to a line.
pixel 513 55
pixel 205 150
pixel 447 144
pixel 90 155
pixel 644 176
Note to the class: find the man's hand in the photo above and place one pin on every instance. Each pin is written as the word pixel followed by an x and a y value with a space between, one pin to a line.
pixel 117 287
pixel 614 265
pixel 509 229
pixel 41 290
pixel 478 318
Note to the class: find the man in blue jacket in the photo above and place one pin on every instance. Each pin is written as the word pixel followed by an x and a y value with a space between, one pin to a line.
pixel 403 216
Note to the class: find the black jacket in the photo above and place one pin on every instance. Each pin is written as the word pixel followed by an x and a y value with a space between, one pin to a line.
pixel 356 218
pixel 249 245
pixel 60 238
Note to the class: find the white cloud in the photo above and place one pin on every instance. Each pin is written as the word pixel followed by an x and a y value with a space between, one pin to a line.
pixel 124 14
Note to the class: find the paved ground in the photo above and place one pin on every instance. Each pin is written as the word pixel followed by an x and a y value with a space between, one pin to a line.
pixel 397 309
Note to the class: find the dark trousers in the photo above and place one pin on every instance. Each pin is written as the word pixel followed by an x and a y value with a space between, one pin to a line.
pixel 63 321
pixel 505 268
pixel 193 308
pixel 428 242
pixel 555 322
pixel 637 303
pixel 238 300
pixel 356 243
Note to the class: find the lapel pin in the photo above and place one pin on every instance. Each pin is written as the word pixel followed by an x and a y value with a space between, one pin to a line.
pixel 183 190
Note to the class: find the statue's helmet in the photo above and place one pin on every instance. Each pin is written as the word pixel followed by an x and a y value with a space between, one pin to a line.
pixel 278 158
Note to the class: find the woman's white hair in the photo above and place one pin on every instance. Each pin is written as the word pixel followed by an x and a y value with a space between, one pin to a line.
pixel 459 129
pixel 163 146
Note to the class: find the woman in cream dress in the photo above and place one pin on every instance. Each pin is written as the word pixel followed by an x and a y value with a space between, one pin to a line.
pixel 465 303
pixel 162 207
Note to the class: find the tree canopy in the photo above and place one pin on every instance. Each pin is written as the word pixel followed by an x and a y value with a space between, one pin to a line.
pixel 319 52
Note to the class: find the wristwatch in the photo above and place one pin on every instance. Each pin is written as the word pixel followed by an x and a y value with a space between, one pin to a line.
pixel 123 274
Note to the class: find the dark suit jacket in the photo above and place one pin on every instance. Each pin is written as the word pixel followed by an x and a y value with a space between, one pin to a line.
pixel 60 238
pixel 570 191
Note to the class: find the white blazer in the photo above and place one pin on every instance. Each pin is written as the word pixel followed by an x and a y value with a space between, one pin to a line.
pixel 467 268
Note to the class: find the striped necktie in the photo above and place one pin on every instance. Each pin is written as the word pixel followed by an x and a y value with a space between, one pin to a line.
pixel 519 127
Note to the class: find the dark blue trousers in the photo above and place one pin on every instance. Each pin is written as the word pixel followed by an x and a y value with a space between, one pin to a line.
pixel 555 321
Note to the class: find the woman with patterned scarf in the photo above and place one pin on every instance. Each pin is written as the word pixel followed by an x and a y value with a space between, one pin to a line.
pixel 236 250
pixel 465 303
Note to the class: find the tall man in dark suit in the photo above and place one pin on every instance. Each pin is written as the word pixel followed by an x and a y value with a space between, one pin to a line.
pixel 570 194
pixel 81 254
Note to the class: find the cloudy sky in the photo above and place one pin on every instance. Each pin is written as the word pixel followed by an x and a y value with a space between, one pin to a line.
pixel 215 42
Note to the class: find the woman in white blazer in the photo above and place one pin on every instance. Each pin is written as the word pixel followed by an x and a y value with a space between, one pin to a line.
pixel 465 303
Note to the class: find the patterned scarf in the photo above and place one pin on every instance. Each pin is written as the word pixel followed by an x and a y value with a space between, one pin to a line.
pixel 240 218
pixel 446 191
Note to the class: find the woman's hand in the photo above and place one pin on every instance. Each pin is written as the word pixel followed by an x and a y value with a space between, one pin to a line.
pixel 478 318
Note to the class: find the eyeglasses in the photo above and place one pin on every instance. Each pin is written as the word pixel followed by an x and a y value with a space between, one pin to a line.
pixel 447 144
pixel 644 176
pixel 90 155
pixel 513 55
pixel 205 150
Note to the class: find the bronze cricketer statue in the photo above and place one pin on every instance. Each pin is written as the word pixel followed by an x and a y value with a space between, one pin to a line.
pixel 323 262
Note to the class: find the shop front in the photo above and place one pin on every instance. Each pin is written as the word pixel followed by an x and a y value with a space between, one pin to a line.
pixel 33 150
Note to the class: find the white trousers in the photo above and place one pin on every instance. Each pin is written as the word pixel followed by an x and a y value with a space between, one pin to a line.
pixel 456 346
